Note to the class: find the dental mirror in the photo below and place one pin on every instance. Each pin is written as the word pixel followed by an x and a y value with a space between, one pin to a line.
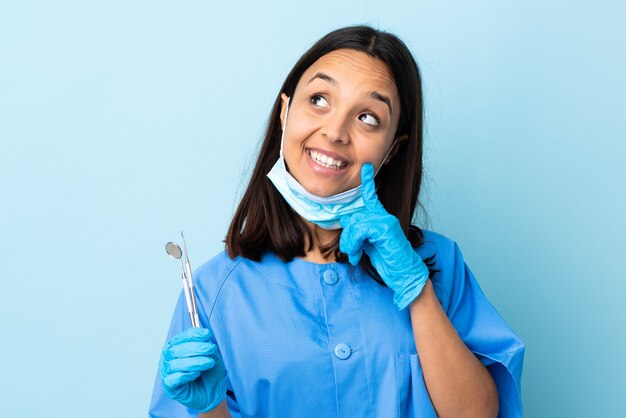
pixel 173 250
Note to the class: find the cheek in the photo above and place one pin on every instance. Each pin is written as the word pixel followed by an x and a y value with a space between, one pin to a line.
pixel 298 133
pixel 373 152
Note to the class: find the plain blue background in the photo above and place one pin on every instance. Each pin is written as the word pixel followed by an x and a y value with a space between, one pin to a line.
pixel 123 123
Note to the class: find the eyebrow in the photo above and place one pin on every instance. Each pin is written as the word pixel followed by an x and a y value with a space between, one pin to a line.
pixel 374 95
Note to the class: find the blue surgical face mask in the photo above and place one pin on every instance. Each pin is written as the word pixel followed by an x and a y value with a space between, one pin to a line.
pixel 324 211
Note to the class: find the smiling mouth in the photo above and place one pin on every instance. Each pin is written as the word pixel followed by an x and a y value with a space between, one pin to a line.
pixel 326 161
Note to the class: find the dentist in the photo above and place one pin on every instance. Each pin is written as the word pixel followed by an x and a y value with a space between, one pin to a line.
pixel 327 302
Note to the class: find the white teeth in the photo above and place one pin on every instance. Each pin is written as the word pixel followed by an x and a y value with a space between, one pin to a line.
pixel 326 161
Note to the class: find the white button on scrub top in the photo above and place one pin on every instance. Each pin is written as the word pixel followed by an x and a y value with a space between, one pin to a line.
pixel 342 351
pixel 330 277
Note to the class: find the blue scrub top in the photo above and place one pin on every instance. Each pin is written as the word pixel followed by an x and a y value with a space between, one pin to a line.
pixel 301 339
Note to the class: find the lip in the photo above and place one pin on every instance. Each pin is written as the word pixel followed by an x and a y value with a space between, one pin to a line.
pixel 323 170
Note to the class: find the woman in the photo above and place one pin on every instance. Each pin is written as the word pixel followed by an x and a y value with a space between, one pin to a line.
pixel 327 301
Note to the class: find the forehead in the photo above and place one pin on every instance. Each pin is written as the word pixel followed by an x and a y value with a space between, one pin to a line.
pixel 353 69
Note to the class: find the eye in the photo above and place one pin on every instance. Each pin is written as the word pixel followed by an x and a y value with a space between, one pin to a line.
pixel 318 100
pixel 370 119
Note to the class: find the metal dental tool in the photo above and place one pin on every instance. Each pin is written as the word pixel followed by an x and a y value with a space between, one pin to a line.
pixel 190 281
pixel 173 250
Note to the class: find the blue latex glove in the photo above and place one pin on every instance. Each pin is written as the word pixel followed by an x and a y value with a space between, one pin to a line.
pixel 380 235
pixel 192 370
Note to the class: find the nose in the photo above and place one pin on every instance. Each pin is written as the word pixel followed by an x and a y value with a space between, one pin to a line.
pixel 335 128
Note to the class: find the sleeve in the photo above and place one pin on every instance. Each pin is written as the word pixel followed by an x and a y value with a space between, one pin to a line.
pixel 162 406
pixel 483 330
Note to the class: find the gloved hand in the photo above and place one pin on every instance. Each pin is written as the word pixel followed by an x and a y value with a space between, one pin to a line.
pixel 379 234
pixel 192 370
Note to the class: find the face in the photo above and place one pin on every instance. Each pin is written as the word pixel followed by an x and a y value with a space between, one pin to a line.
pixel 343 113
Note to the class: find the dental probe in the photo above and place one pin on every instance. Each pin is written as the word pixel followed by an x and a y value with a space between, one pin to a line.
pixel 190 280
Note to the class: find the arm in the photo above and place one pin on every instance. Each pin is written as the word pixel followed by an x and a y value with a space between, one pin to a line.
pixel 458 384
pixel 220 412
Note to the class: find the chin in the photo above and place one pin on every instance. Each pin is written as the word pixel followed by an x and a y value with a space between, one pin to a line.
pixel 325 192
pixel 321 192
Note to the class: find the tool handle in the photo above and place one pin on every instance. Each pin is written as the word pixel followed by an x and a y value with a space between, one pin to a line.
pixel 189 302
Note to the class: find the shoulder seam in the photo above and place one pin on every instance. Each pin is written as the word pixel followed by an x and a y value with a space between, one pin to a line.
pixel 219 290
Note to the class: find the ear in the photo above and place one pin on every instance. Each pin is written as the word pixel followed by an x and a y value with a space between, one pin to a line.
pixel 396 146
pixel 283 108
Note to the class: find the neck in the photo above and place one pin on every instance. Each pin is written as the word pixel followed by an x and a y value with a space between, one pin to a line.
pixel 321 238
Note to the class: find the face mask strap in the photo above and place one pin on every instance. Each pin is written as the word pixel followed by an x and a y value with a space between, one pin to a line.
pixel 386 155
pixel 284 128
